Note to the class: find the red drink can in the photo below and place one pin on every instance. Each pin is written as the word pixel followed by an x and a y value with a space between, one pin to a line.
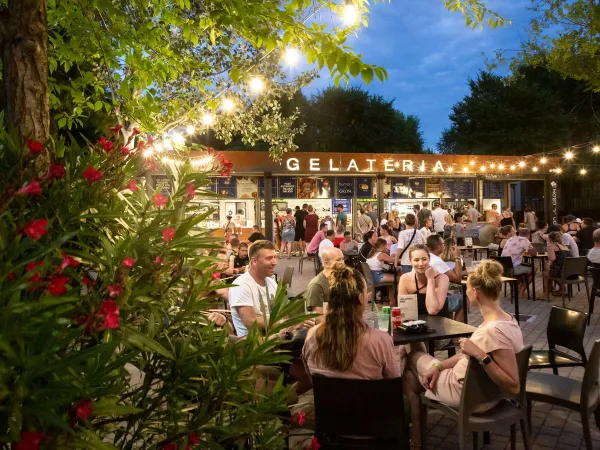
pixel 396 322
pixel 396 311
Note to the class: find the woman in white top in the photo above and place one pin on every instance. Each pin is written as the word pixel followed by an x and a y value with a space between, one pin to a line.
pixel 495 344
pixel 376 260
pixel 426 230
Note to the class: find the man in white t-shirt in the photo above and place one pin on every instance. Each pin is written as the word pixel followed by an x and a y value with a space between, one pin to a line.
pixel 567 240
pixel 406 239
pixel 327 242
pixel 515 247
pixel 439 217
pixel 435 244
pixel 594 254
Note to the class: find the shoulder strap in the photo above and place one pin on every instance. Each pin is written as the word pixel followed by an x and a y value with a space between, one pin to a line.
pixel 409 242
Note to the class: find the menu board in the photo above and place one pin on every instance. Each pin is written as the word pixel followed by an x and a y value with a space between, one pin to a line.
pixel 493 189
pixel 163 183
pixel 400 187
pixel 465 188
pixel 449 188
pixel 287 187
pixel 364 187
pixel 226 187
pixel 433 188
pixel 324 188
pixel 345 188
pixel 246 187
pixel 417 187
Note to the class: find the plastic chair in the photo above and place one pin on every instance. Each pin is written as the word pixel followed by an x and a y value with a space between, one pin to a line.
pixel 479 389
pixel 595 272
pixel 371 285
pixel 360 413
pixel 288 273
pixel 507 265
pixel 571 267
pixel 566 328
pixel 568 393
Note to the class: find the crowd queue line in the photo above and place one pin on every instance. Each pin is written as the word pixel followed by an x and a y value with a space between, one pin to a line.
pixel 340 344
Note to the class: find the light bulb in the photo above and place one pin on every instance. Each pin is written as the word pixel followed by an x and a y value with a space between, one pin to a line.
pixel 167 144
pixel 596 149
pixel 228 105
pixel 501 167
pixel 147 153
pixel 396 164
pixel 465 169
pixel 472 162
pixel 158 147
pixel 521 164
pixel 558 170
pixel 544 160
pixel 257 85
pixel 178 139
pixel 583 171
pixel 569 155
pixel 492 165
pixel 166 159
pixel 291 56
pixel 208 119
pixel 422 168
pixel 350 14
pixel 450 169
pixel 190 129
pixel 513 167
pixel 483 168
pixel 535 169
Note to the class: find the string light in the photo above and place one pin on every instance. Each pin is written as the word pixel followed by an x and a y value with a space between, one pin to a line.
pixel 178 139
pixel 422 167
pixel 190 129
pixel 501 167
pixel 483 168
pixel 569 155
pixel 208 119
pixel 450 169
pixel 535 169
pixel 147 153
pixel 583 171
pixel 396 164
pixel 228 105
pixel 291 56
pixel 350 14
pixel 512 167
pixel 472 162
pixel 558 170
pixel 158 147
pixel 521 164
pixel 596 149
pixel 544 160
pixel 166 159
pixel 167 144
pixel 492 165
pixel 257 85
pixel 465 169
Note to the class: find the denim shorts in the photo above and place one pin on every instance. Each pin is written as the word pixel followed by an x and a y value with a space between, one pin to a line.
pixel 406 268
pixel 288 236
pixel 377 276
pixel 455 302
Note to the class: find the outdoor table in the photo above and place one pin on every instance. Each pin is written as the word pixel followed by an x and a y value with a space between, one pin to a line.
pixel 444 329
pixel 475 248
pixel 514 292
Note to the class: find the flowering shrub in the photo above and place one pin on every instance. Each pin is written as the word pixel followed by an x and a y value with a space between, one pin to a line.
pixel 103 284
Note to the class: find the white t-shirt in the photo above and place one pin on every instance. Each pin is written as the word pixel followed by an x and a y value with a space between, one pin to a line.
pixel 375 264
pixel 425 232
pixel 438 263
pixel 325 243
pixel 515 247
pixel 248 292
pixel 568 240
pixel 403 239
pixel 594 255
pixel 439 219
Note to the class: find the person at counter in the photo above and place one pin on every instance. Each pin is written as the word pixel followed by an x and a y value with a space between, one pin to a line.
pixel 423 214
pixel 230 226
pixel 494 215
pixel 530 219
pixel 313 247
pixel 472 216
pixel 348 245
pixel 506 218
pixel 256 235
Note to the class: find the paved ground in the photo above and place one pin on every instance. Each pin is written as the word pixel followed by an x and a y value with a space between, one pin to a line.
pixel 553 427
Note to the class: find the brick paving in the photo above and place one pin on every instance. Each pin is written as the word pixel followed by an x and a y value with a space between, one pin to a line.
pixel 553 427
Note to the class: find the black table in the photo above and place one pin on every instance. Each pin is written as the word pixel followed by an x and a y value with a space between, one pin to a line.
pixel 444 329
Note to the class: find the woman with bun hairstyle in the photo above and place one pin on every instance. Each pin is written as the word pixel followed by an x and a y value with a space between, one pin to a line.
pixel 343 346
pixel 495 344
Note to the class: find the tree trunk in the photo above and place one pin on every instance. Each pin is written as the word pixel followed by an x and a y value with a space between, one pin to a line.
pixel 24 47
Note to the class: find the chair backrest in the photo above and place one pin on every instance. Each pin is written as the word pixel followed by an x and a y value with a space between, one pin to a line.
pixel 507 264
pixel 366 271
pixel 288 273
pixel 590 377
pixel 566 328
pixel 595 271
pixel 575 266
pixel 479 389
pixel 369 408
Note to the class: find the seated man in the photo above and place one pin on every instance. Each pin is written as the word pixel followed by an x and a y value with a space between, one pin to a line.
pixel 313 246
pixel 594 254
pixel 256 235
pixel 541 229
pixel 515 247
pixel 238 263
pixel 327 242
pixel 317 291
pixel 348 244
pixel 585 236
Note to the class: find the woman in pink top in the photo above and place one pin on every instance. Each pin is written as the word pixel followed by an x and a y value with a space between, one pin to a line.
pixel 494 344
pixel 343 346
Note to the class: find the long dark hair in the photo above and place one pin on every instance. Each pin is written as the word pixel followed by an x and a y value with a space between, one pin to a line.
pixel 337 338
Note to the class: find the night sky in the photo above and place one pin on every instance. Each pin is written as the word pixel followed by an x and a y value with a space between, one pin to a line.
pixel 429 54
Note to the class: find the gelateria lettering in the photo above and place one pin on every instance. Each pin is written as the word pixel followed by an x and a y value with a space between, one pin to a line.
pixel 329 165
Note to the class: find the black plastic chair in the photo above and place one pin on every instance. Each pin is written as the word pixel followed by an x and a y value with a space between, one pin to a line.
pixel 372 287
pixel 365 414
pixel 580 396
pixel 507 265
pixel 566 328
pixel 479 389
pixel 574 271
pixel 595 272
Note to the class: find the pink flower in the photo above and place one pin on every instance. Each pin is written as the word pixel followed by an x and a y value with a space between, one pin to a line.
pixel 67 261
pixel 190 189
pixel 168 234
pixel 314 444
pixel 141 145
pixel 33 265
pixel 194 439
pixel 170 446
pixel 128 263
pixel 132 186
pixel 109 311
pixel 56 171
pixel 30 440
pixel 11 276
pixel 87 281
pixel 84 409
pixel 34 147
pixel 92 175
pixel 216 275
pixel 225 172
pixel 106 144
pixel 124 150
pixel 136 131
pixel 33 188
pixel 116 129
pixel 36 228
pixel 158 260
pixel 57 285
pixel 300 418
pixel 115 290
pixel 159 200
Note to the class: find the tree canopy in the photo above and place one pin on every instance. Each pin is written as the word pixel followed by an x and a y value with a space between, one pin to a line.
pixel 533 110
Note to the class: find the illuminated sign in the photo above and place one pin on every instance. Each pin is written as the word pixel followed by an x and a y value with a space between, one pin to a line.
pixel 367 165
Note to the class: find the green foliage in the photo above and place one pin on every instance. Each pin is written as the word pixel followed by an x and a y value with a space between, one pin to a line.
pixel 352 120
pixel 533 110
pixel 475 13
pixel 163 370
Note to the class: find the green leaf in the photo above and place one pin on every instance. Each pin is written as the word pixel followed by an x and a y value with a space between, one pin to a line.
pixel 367 75
pixel 143 342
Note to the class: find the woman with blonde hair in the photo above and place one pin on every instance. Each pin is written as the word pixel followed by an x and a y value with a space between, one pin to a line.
pixel 343 346
pixel 494 344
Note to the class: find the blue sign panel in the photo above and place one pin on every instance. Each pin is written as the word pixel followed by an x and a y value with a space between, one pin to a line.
pixel 364 187
pixel 226 187
pixel 288 187
pixel 345 188
pixel 400 187
pixel 417 186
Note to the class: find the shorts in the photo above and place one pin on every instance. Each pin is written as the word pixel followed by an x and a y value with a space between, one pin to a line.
pixel 455 302
pixel 377 276
pixel 406 268
pixel 521 270
pixel 288 236
pixel 299 234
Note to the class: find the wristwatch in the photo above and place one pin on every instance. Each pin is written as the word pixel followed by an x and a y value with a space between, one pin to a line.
pixel 485 361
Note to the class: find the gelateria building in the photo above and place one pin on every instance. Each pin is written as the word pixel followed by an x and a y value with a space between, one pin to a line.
pixel 260 188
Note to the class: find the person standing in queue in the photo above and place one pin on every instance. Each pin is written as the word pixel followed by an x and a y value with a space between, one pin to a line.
pixel 300 230
pixel 311 224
